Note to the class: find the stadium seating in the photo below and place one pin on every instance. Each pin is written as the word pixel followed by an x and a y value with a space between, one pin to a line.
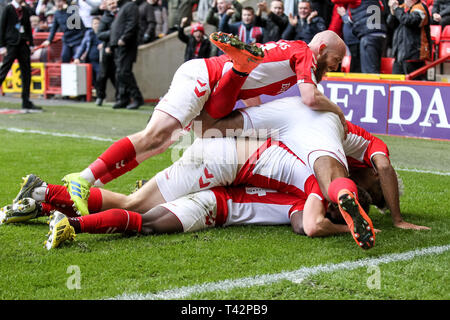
pixel 444 45
pixel 435 32
pixel 386 65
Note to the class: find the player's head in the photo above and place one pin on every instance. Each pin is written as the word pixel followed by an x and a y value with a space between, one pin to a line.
pixel 329 50
pixel 370 181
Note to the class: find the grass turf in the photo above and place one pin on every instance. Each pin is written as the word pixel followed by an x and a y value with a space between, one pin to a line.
pixel 111 265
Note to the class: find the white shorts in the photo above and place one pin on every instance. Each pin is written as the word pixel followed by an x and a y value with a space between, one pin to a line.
pixel 309 134
pixel 188 92
pixel 233 206
pixel 205 164
pixel 209 163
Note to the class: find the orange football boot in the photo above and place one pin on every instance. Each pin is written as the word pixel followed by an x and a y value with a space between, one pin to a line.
pixel 245 57
pixel 358 221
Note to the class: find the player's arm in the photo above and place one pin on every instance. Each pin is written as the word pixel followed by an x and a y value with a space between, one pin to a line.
pixel 315 223
pixel 316 100
pixel 312 222
pixel 389 187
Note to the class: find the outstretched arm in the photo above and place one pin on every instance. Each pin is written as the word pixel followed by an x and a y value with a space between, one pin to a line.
pixel 389 187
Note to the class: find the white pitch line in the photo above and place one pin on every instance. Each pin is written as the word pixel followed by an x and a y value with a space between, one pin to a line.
pixel 57 134
pixel 440 173
pixel 295 276
pixel 77 136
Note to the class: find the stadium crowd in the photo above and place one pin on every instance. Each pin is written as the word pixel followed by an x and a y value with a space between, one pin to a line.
pixel 107 33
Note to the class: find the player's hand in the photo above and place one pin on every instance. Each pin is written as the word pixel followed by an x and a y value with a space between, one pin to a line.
pixel 437 17
pixel 46 43
pixel 407 225
pixel 76 61
pixel 344 123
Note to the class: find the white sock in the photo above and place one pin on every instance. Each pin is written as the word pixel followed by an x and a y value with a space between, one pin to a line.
pixel 38 193
pixel 88 175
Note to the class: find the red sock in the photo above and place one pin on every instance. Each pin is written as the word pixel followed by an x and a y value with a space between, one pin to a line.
pixel 48 208
pixel 118 172
pixel 338 184
pixel 59 197
pixel 111 221
pixel 223 98
pixel 116 156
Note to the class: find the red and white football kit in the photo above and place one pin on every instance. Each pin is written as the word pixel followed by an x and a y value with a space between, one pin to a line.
pixel 206 83
pixel 360 146
pixel 311 134
pixel 209 163
pixel 225 206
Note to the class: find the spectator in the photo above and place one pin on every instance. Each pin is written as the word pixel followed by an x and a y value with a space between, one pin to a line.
pixel 147 22
pixel 124 43
pixel 441 12
pixel 179 9
pixel 276 21
pixel 305 25
pixel 369 26
pixel 217 11
pixel 246 29
pixel 17 37
pixel 350 39
pixel 197 44
pixel 107 65
pixel 73 31
pixel 412 41
pixel 162 22
pixel 34 21
pixel 88 51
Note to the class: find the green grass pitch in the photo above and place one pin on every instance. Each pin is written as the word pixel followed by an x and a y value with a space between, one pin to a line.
pixel 111 266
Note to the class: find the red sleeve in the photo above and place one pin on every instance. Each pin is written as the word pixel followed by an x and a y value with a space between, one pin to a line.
pixel 303 62
pixel 365 146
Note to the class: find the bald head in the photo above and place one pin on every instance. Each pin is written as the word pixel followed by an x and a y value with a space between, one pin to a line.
pixel 329 50
pixel 328 40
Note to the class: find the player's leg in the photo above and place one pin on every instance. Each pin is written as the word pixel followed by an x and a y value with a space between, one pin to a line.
pixel 173 113
pixel 245 58
pixel 336 187
pixel 63 228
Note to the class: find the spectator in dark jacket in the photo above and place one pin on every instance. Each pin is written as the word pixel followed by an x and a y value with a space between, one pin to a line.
pixel 147 22
pixel 276 21
pixel 246 30
pixel 73 30
pixel 305 25
pixel 16 36
pixel 350 39
pixel 124 43
pixel 369 26
pixel 441 12
pixel 197 44
pixel 107 65
pixel 411 44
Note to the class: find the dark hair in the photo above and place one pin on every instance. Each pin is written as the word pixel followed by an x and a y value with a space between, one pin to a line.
pixel 249 9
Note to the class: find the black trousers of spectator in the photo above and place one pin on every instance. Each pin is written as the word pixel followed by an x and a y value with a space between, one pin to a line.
pixel 107 71
pixel 371 50
pixel 355 65
pixel 126 84
pixel 21 52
